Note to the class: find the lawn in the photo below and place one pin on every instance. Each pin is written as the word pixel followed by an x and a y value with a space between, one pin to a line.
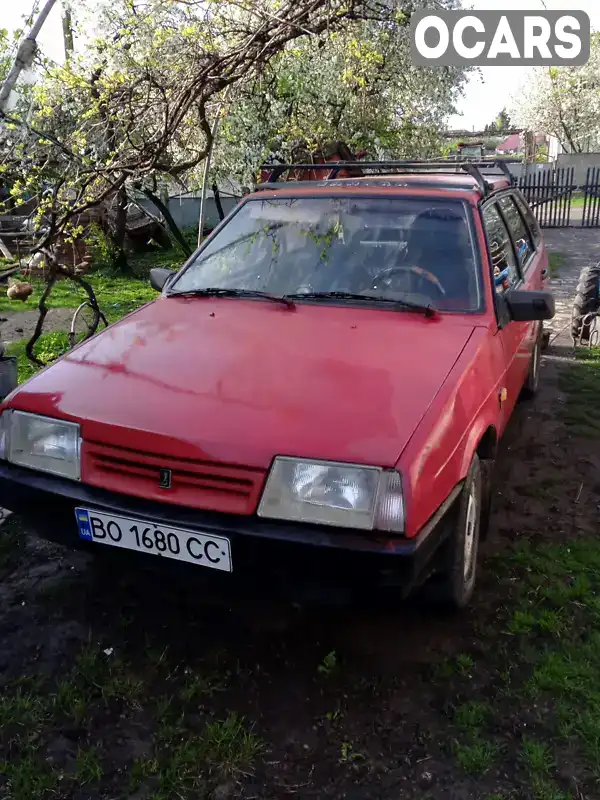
pixel 50 346
pixel 577 200
pixel 117 294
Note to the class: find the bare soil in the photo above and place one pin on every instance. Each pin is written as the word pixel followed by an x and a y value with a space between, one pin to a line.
pixel 15 325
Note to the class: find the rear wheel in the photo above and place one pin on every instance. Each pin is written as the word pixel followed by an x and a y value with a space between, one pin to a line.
pixel 453 587
pixel 587 301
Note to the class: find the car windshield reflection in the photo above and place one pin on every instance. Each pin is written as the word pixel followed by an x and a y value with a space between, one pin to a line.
pixel 399 248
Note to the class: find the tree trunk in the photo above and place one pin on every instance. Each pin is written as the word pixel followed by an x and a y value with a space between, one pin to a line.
pixel 219 205
pixel 164 210
pixel 67 26
pixel 120 229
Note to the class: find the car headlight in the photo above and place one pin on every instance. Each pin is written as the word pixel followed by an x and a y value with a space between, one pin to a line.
pixel 328 493
pixel 50 445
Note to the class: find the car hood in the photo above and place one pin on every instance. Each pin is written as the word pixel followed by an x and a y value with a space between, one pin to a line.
pixel 240 381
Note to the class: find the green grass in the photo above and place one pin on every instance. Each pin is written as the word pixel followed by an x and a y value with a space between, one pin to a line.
pixel 49 347
pixel 476 757
pixel 198 685
pixel 29 778
pixel 88 766
pixel 577 200
pixel 556 262
pixel 471 715
pixel 581 383
pixel 549 672
pixel 184 760
pixel 117 293
pixel 464 664
pixel 185 764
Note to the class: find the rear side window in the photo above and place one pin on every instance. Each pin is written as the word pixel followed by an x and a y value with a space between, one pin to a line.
pixel 518 229
pixel 532 222
pixel 504 264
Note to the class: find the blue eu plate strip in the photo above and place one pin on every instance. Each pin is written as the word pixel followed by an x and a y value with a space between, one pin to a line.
pixel 83 523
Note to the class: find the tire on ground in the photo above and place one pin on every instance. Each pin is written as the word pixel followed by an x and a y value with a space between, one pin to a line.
pixel 452 588
pixel 587 301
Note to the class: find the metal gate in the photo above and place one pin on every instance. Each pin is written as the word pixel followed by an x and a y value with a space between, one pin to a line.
pixel 559 202
pixel 591 200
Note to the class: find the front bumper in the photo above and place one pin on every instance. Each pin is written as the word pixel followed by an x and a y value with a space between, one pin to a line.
pixel 258 545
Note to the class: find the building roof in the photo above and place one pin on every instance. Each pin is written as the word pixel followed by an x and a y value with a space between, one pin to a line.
pixel 513 142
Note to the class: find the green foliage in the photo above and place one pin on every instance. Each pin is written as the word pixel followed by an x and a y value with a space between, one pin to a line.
pixel 137 104
pixel 4 54
pixel 564 102
pixel 357 85
pixel 102 247
pixel 500 125
pixel 135 108
pixel 329 664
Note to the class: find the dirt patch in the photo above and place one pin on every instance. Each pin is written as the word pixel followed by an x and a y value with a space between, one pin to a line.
pixel 15 325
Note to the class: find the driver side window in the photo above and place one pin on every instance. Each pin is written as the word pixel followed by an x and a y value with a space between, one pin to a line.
pixel 504 263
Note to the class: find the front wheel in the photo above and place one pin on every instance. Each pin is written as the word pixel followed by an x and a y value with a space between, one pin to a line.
pixel 454 585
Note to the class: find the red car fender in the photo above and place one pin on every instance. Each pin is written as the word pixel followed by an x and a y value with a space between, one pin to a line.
pixel 484 430
pixel 439 453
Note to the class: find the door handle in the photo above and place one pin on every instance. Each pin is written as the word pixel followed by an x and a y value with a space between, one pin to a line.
pixel 544 274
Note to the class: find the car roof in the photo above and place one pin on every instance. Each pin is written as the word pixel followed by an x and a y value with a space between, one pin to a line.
pixel 439 182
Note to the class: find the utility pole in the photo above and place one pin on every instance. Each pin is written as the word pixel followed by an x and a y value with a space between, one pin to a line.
pixel 25 55
pixel 214 132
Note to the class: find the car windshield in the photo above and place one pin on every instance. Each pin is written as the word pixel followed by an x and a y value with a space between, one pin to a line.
pixel 397 248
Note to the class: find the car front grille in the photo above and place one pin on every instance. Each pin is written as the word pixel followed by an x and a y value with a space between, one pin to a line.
pixel 197 484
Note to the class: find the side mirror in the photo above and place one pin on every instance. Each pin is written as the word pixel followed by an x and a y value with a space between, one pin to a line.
pixel 159 277
pixel 526 306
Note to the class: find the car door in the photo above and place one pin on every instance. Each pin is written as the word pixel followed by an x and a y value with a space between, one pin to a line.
pixel 506 275
pixel 530 262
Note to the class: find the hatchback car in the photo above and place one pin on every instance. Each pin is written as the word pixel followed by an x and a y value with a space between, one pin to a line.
pixel 322 386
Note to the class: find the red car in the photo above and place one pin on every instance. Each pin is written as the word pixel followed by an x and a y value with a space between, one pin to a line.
pixel 321 387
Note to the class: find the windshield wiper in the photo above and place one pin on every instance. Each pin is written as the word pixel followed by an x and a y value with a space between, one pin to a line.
pixel 215 291
pixel 428 310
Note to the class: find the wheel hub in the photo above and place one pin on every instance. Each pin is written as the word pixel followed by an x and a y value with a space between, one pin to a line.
pixel 470 526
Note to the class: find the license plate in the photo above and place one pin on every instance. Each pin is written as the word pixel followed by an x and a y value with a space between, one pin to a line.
pixel 203 549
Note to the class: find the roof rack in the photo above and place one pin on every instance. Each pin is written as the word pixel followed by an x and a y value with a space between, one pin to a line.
pixel 477 169
pixel 499 164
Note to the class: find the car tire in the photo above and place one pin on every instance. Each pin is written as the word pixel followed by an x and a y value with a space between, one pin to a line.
pixel 532 383
pixel 587 301
pixel 454 585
